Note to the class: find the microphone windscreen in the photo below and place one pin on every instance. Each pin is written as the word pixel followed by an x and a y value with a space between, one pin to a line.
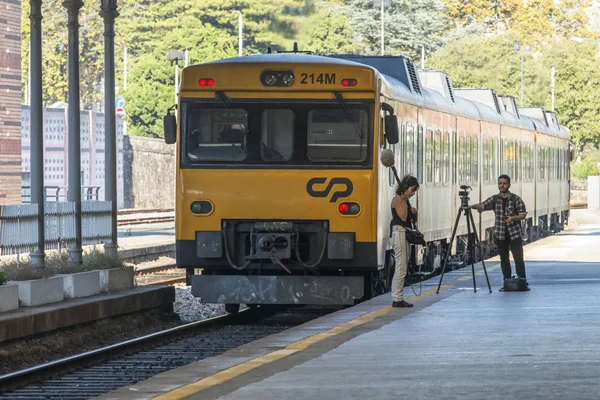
pixel 387 157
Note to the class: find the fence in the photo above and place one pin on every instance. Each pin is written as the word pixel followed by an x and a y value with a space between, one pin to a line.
pixel 19 225
pixel 60 193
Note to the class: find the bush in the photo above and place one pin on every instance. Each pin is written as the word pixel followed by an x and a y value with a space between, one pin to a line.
pixel 58 263
pixel 585 168
pixel 2 278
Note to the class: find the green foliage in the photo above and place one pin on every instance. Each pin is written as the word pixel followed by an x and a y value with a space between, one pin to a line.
pixel 535 22
pixel 585 168
pixel 492 62
pixel 58 264
pixel 408 25
pixel 577 89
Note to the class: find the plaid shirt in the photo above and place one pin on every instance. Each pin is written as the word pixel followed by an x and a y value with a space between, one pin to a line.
pixel 514 206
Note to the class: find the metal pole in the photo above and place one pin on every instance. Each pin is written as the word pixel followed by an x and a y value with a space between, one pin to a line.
pixel 124 64
pixel 552 72
pixel 37 128
pixel 124 83
pixel 522 78
pixel 109 12
pixel 422 57
pixel 73 6
pixel 176 78
pixel 382 36
pixel 240 34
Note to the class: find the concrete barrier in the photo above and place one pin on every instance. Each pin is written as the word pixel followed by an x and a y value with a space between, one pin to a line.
pixel 40 291
pixel 9 297
pixel 81 284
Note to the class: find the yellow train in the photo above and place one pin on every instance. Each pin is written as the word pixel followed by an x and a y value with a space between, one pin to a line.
pixel 280 196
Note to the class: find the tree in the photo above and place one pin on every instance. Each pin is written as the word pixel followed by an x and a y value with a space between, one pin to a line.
pixel 536 22
pixel 408 25
pixel 577 89
pixel 492 62
pixel 331 34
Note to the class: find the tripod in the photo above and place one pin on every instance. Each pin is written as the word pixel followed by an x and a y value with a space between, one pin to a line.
pixel 472 232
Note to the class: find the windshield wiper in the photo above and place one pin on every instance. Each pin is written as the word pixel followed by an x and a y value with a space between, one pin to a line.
pixel 340 99
pixel 224 99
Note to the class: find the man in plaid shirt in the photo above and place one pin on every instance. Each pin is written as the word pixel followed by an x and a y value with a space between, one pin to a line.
pixel 510 211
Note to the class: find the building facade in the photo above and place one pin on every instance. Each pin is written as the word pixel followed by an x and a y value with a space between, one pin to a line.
pixel 10 102
pixel 56 150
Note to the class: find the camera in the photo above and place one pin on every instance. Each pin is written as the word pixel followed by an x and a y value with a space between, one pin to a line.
pixel 465 191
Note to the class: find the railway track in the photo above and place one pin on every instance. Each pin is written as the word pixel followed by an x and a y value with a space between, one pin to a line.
pixel 167 274
pixel 100 371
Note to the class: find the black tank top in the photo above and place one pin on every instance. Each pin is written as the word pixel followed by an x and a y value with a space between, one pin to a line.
pixel 396 220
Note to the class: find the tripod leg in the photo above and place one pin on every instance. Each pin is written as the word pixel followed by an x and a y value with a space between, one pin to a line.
pixel 448 250
pixel 479 243
pixel 470 249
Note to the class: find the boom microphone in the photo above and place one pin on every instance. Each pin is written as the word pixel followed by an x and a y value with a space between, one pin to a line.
pixel 387 159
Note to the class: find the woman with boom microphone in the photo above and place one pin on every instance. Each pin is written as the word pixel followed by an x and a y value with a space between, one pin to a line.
pixel 401 212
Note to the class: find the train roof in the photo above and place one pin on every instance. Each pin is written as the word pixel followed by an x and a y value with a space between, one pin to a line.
pixel 545 121
pixel 428 89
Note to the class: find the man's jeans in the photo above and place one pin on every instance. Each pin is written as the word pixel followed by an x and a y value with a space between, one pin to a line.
pixel 516 248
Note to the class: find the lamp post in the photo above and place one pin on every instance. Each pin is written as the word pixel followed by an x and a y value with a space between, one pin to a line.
pixel 383 4
pixel 175 56
pixel 187 49
pixel 517 47
pixel 240 27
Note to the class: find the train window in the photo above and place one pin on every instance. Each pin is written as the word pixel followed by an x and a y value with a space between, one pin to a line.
pixel 541 161
pixel 474 158
pixel 409 150
pixel 429 155
pixel 461 158
pixel 420 153
pixel 446 156
pixel 333 136
pixel 437 156
pixel 277 136
pixel 486 165
pixel 216 134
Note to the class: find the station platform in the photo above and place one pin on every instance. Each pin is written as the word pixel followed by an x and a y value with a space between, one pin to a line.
pixel 542 344
pixel 29 321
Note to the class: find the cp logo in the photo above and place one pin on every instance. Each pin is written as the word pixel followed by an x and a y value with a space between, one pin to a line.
pixel 324 193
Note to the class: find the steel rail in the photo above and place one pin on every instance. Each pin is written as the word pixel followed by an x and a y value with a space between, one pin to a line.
pixel 14 380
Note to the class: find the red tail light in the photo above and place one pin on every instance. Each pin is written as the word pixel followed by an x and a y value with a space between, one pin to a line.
pixel 206 82
pixel 348 208
pixel 349 82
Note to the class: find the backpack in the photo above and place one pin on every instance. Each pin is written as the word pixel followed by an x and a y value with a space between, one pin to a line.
pixel 516 285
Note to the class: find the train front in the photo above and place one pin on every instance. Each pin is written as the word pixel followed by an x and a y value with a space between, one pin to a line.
pixel 276 188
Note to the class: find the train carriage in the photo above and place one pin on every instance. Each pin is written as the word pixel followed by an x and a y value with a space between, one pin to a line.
pixel 281 198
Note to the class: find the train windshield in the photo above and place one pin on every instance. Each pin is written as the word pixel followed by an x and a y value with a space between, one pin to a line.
pixel 289 133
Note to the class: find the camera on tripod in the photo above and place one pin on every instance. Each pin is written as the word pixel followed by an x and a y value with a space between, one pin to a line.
pixel 464 196
pixel 465 191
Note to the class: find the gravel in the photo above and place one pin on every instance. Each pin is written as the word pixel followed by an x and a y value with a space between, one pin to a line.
pixel 189 307
pixel 25 353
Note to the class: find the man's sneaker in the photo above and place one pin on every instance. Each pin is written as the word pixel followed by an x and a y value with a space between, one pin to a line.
pixel 401 304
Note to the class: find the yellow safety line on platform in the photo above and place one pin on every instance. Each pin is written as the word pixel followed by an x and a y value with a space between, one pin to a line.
pixel 230 373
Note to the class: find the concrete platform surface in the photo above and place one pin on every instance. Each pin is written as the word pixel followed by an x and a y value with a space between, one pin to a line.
pixel 457 344
pixel 29 321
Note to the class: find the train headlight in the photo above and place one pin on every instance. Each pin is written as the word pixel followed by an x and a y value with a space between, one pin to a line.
pixel 277 78
pixel 202 207
pixel 269 79
pixel 288 79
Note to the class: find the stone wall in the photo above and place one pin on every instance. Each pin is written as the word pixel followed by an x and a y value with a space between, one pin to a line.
pixel 10 102
pixel 149 173
pixel 578 191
